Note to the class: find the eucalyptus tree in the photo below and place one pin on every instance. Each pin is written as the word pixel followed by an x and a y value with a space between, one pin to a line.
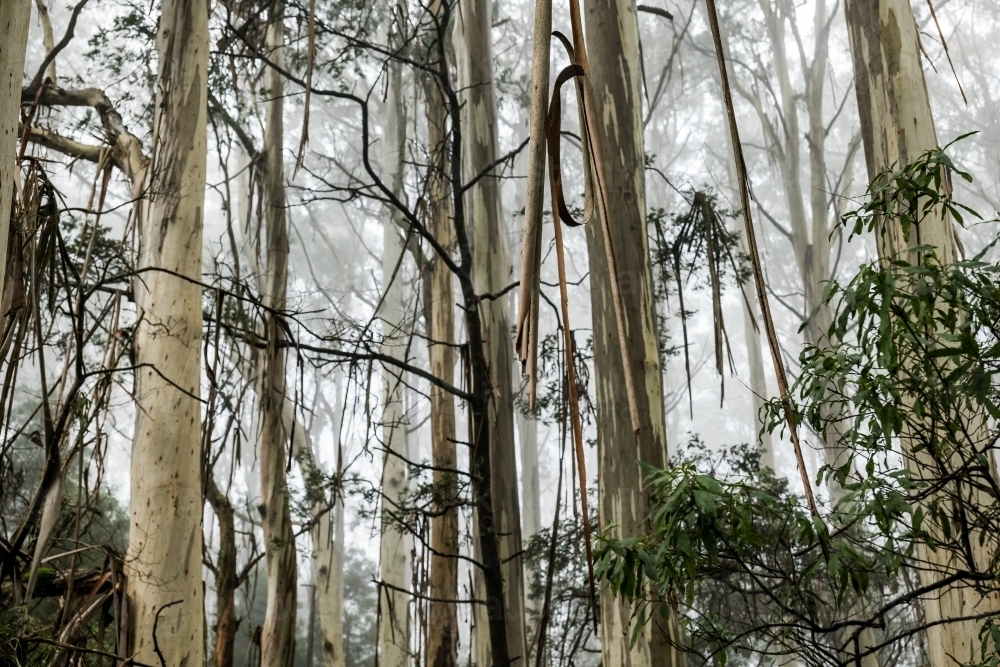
pixel 164 552
pixel 278 636
pixel 394 626
pixel 612 38
pixel 439 317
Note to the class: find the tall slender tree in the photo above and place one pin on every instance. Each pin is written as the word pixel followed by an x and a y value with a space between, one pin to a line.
pixel 613 45
pixel 394 629
pixel 278 635
pixel 442 625
pixel 164 588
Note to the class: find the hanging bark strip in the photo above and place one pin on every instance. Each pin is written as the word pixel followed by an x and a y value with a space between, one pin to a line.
pixel 531 244
pixel 310 66
pixel 758 273
pixel 594 164
pixel 559 204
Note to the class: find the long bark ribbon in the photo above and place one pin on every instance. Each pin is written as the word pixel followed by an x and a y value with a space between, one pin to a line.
pixel 555 188
pixel 758 273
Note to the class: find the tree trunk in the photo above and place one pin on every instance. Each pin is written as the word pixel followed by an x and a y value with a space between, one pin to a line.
pixel 897 126
pixel 896 120
pixel 15 16
pixel 442 626
pixel 278 635
pixel 613 51
pixel 492 273
pixel 165 540
pixel 393 634
pixel 225 576
pixel 527 431
pixel 328 551
pixel 758 381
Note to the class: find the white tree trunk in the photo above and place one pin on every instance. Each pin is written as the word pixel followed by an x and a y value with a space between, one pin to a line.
pixel 165 539
pixel 527 431
pixel 328 561
pixel 393 631
pixel 327 537
pixel 15 16
pixel 278 635
pixel 758 381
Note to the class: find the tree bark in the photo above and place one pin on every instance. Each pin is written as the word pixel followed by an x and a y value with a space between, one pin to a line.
pixel 442 626
pixel 758 381
pixel 278 636
pixel 534 202
pixel 394 631
pixel 15 17
pixel 492 273
pixel 48 37
pixel 165 539
pixel 897 127
pixel 225 576
pixel 613 46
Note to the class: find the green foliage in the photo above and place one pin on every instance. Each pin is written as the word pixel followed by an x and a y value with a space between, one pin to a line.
pixel 908 194
pixel 714 535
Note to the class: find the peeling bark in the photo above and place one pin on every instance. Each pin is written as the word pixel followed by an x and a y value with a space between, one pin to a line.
pixel 442 625
pixel 897 126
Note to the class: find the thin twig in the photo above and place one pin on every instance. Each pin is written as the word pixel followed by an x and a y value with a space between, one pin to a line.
pixel 156 621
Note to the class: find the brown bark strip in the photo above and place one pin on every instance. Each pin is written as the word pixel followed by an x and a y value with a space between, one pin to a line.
pixel 574 407
pixel 554 130
pixel 758 272
pixel 310 65
pixel 526 340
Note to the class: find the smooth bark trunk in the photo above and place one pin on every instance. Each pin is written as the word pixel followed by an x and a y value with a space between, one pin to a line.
pixel 278 635
pixel 15 17
pixel 897 127
pixel 758 380
pixel 165 538
pixel 327 535
pixel 394 634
